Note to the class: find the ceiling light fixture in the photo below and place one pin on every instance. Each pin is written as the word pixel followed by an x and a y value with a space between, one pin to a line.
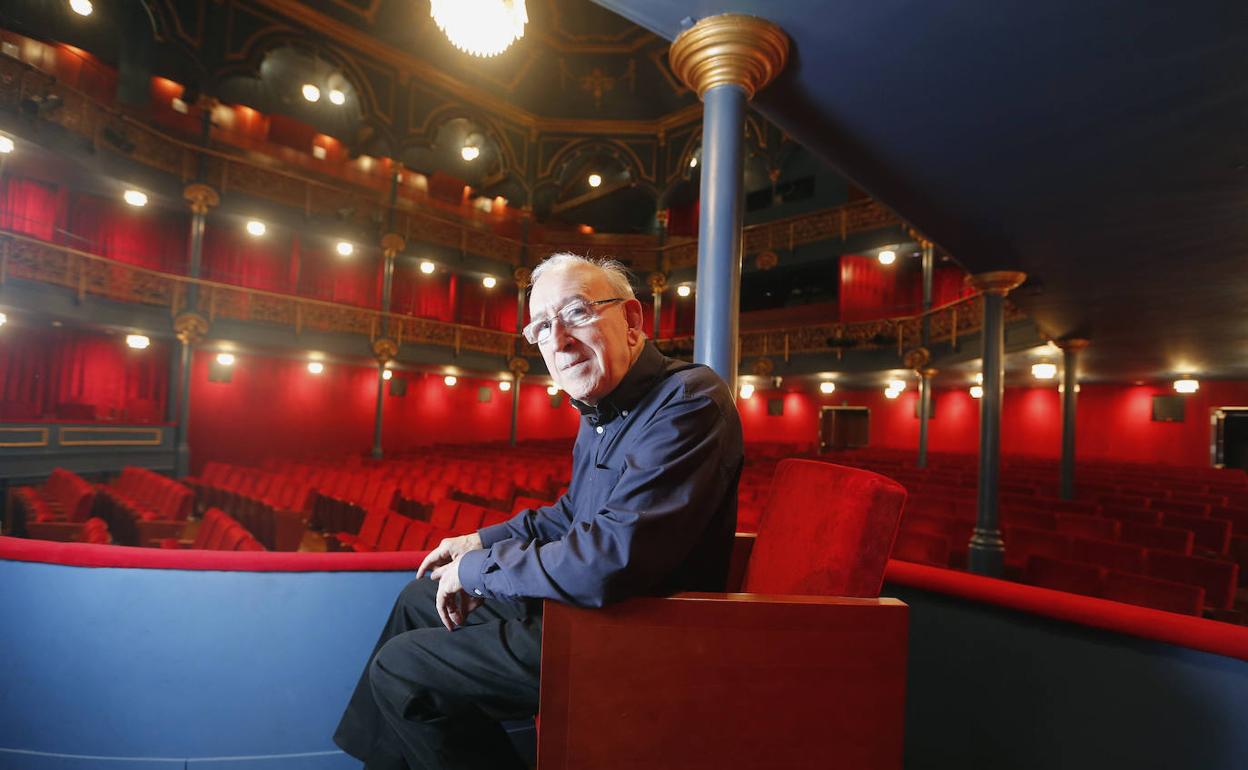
pixel 225 359
pixel 3 319
pixel 319 152
pixel 827 387
pixel 887 257
pixel 316 367
pixel 480 27
pixel 450 380
pixel 747 390
pixel 427 267
pixel 684 290
pixel 489 282
pixel 1186 385
pixel 6 144
pixel 1044 371
pixel 387 375
pixel 135 198
pixel 693 162
pixel 337 97
pixel 552 390
pixel 311 92
pixel 345 248
pixel 138 341
pixel 594 180
pixel 469 152
pixel 256 228
pixel 179 106
pixel 979 378
pixel 897 385
pixel 891 393
pixel 81 7
pixel 504 385
pixel 977 391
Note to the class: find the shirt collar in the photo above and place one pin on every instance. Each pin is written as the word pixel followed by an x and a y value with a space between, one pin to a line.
pixel 636 383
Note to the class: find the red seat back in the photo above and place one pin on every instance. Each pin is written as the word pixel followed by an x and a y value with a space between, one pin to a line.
pixel 826 530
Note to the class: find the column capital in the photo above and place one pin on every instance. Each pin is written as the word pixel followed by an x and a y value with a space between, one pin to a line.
pixel 523 276
pixel 518 367
pixel 392 244
pixel 662 217
pixel 657 282
pixel 1073 344
pixel 999 282
pixel 928 372
pixel 190 327
pixel 729 49
pixel 201 197
pixel 384 350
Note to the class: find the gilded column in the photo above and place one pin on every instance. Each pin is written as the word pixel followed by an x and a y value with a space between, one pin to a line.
pixel 385 347
pixel 519 367
pixel 726 59
pixel 1070 392
pixel 190 326
pixel 925 411
pixel 658 284
pixel 986 555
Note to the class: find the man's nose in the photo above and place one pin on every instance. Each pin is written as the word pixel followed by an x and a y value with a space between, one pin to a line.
pixel 559 334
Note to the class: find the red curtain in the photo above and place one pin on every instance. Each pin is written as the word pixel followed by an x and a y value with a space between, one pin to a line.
pixel 147 237
pixel 232 256
pixel 489 308
pixel 949 284
pixel 424 296
pixel 675 314
pixel 323 274
pixel 28 207
pixel 868 289
pixel 80 375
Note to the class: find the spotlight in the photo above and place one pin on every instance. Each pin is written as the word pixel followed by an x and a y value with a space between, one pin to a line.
pixel 747 390
pixel 489 282
pixel 504 385
pixel 135 198
pixel 256 228
pixel 897 385
pixel 1186 386
pixel 387 375
pixel 6 144
pixel 693 162
pixel 137 341
pixel 683 290
pixel 594 180
pixel 887 257
pixel 3 319
pixel 552 390
pixel 179 106
pixel 337 97
pixel 827 387
pixel 319 152
pixel 1044 371
pixel 427 267
pixel 345 248
pixel 979 378
pixel 225 359
pixel 81 7
pixel 316 367
pixel 311 92
pixel 469 152
pixel 450 380
pixel 977 391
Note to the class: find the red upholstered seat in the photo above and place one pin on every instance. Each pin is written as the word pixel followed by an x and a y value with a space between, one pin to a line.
pixel 1210 534
pixel 443 515
pixel 1152 592
pixel 1218 578
pixel 1072 577
pixel 1126 557
pixel 416 536
pixel 1165 538
pixel 922 548
pixel 1088 526
pixel 392 532
pixel 1021 543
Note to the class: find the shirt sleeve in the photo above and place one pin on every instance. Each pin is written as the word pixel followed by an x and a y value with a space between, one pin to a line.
pixel 550 522
pixel 658 510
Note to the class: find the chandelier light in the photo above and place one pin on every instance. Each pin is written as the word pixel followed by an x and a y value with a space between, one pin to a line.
pixel 480 27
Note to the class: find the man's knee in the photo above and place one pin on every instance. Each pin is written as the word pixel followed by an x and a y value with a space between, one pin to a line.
pixel 419 593
pixel 395 674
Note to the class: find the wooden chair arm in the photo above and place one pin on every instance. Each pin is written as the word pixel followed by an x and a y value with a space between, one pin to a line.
pixel 724 680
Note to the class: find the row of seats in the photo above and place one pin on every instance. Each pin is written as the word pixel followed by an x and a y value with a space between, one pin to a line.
pixel 1106 583
pixel 65 496
pixel 389 531
pixel 218 531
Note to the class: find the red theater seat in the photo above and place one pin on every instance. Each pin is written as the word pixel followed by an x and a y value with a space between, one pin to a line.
pixel 1088 526
pixel 1151 592
pixel 1213 535
pixel 922 548
pixel 1021 543
pixel 1126 557
pixel 1072 577
pixel 392 532
pixel 1218 578
pixel 1164 538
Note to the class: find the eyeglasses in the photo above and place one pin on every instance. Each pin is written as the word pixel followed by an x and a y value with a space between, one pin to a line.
pixel 578 312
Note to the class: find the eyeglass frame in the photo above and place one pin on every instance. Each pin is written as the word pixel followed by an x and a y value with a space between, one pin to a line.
pixel 531 335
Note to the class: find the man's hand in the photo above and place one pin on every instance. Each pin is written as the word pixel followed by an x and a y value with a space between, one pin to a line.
pixel 453 602
pixel 448 550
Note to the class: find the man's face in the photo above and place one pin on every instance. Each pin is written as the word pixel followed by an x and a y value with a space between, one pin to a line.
pixel 586 362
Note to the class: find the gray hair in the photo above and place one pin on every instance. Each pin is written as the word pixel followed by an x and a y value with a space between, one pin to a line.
pixel 616 274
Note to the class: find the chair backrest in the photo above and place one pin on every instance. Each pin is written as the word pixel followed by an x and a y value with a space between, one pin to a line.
pixel 826 530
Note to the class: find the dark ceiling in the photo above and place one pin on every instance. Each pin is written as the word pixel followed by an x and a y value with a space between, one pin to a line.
pixel 1101 146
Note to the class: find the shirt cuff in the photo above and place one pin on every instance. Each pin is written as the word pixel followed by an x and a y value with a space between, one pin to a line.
pixel 494 533
pixel 472 573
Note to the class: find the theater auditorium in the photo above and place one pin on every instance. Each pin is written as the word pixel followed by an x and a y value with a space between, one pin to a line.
pixel 974 274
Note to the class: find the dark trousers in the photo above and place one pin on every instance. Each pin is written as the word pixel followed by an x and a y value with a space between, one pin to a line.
pixel 432 698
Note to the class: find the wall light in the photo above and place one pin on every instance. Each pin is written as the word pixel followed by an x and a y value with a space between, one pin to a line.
pixel 977 391
pixel 387 375
pixel 81 7
pixel 179 106
pixel 552 390
pixel 469 152
pixel 1186 385
pixel 316 367
pixel 890 393
pixel 504 385
pixel 1044 371
pixel 311 92
pixel 319 152
pixel 979 378
pixel 345 248
pixel 827 387
pixel 594 180
pixel 887 257
pixel 693 162
pixel 897 385
pixel 6 144
pixel 489 282
pixel 450 380
pixel 684 290
pixel 135 198
pixel 337 97
pixel 427 267
pixel 256 228
pixel 747 390
pixel 137 341
pixel 225 359
pixel 3 319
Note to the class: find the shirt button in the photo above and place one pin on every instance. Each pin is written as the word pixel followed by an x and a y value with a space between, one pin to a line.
pixel 598 429
pixel 625 412
pixel 477 591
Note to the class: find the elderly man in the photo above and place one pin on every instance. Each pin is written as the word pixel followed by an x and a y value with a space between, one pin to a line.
pixel 651 510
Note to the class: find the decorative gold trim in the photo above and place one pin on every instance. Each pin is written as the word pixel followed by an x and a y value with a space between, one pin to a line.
pixel 191 327
pixel 41 441
pixel 385 350
pixel 392 244
pixel 1073 344
pixel 201 197
pixel 157 435
pixel 998 282
pixel 729 49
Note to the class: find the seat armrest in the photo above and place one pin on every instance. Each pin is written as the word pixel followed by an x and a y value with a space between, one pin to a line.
pixel 742 547
pixel 724 680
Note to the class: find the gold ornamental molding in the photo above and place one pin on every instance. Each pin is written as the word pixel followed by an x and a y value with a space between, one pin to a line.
pixel 392 244
pixel 998 282
pixel 190 327
pixel 15 437
pixel 523 277
pixel 657 282
pixel 729 49
pixel 201 197
pixel 518 367
pixel 385 350
pixel 83 436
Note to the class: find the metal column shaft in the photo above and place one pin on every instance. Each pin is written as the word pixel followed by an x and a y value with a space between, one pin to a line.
pixel 182 452
pixel 1070 394
pixel 925 414
pixel 987 551
pixel 719 231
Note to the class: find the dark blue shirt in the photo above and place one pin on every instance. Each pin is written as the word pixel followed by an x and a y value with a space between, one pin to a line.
pixel 652 506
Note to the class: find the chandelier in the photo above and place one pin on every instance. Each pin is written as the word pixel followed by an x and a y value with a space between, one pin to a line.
pixel 480 27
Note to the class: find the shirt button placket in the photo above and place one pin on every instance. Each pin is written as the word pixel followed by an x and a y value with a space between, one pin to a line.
pixel 598 430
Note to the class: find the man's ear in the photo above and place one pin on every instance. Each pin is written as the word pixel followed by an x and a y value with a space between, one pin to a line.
pixel 633 313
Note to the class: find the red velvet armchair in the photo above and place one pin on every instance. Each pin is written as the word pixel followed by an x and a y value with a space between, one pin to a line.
pixel 805 669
